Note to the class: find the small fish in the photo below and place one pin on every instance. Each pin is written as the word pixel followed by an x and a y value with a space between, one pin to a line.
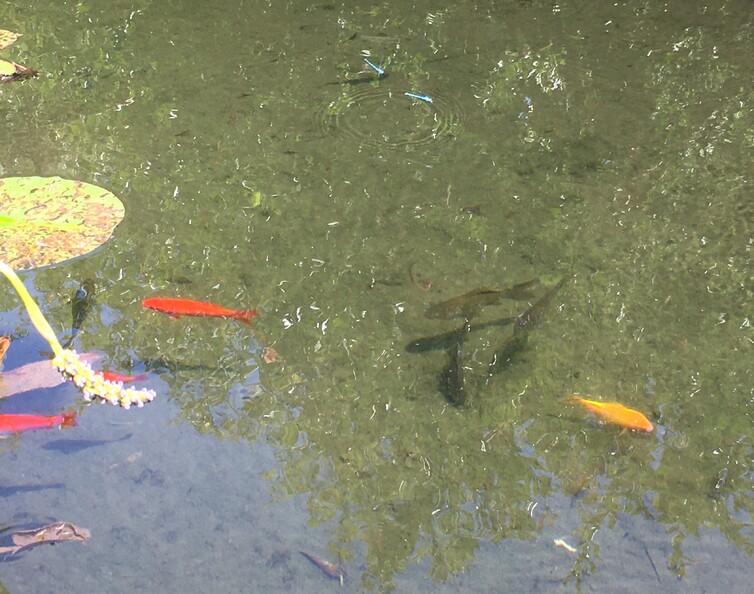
pixel 117 377
pixel 425 98
pixel 18 423
pixel 615 413
pixel 176 308
pixel 533 314
pixel 446 340
pixel 505 356
pixel 330 569
pixel 453 378
pixel 72 446
pixel 81 304
pixel 470 304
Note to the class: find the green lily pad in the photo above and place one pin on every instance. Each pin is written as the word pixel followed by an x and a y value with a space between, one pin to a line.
pixel 7 38
pixel 7 68
pixel 46 220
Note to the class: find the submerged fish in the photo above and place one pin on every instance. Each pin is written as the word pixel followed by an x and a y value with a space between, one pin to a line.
pixel 18 423
pixel 615 413
pixel 176 308
pixel 523 324
pixel 117 377
pixel 446 340
pixel 533 314
pixel 505 355
pixel 453 378
pixel 470 304
pixel 81 304
pixel 72 446
pixel 329 568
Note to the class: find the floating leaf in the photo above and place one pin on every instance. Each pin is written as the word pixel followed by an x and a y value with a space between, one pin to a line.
pixel 7 68
pixel 47 220
pixel 7 38
pixel 35 376
pixel 50 534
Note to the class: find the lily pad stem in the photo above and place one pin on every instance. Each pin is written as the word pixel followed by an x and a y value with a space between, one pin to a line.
pixel 36 315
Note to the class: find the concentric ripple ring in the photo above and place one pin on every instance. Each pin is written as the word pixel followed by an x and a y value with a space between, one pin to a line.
pixel 377 117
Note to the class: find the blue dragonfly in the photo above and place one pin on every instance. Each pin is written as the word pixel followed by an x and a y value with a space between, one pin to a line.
pixel 425 98
pixel 378 69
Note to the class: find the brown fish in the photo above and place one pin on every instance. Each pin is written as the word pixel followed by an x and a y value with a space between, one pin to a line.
pixel 470 304
pixel 330 569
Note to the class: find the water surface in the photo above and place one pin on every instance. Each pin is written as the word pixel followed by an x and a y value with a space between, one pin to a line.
pixel 263 164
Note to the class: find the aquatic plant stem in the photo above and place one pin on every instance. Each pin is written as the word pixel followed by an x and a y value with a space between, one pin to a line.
pixel 36 315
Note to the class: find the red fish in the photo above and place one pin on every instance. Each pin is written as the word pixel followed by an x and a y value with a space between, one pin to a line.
pixel 17 423
pixel 117 377
pixel 176 308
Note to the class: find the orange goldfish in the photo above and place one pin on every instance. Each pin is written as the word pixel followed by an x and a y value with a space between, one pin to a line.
pixel 18 423
pixel 615 413
pixel 176 308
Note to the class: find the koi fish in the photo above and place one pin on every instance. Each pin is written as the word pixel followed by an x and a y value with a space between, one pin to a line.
pixel 330 569
pixel 117 377
pixel 18 423
pixel 176 308
pixel 615 413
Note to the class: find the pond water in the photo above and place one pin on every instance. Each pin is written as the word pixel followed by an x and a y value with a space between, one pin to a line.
pixel 264 164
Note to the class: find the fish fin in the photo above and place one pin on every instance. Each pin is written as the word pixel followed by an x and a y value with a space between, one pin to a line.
pixel 245 315
pixel 69 420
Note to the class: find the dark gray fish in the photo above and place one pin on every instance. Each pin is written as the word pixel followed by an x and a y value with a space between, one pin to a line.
pixel 73 446
pixel 446 340
pixel 526 321
pixel 506 354
pixel 81 304
pixel 469 304
pixel 15 490
pixel 453 377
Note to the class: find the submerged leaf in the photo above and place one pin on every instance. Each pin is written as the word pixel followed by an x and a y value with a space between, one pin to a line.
pixel 34 376
pixel 47 220
pixel 4 346
pixel 50 534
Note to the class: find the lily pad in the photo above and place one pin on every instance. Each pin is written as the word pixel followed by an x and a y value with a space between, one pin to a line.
pixel 46 220
pixel 7 38
pixel 10 71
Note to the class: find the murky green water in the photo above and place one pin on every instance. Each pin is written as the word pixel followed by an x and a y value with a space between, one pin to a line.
pixel 264 164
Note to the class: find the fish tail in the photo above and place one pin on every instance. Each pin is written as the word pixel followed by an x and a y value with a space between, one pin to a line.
pixel 69 420
pixel 245 315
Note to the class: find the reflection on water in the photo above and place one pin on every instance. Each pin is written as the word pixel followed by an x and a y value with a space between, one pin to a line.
pixel 607 142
